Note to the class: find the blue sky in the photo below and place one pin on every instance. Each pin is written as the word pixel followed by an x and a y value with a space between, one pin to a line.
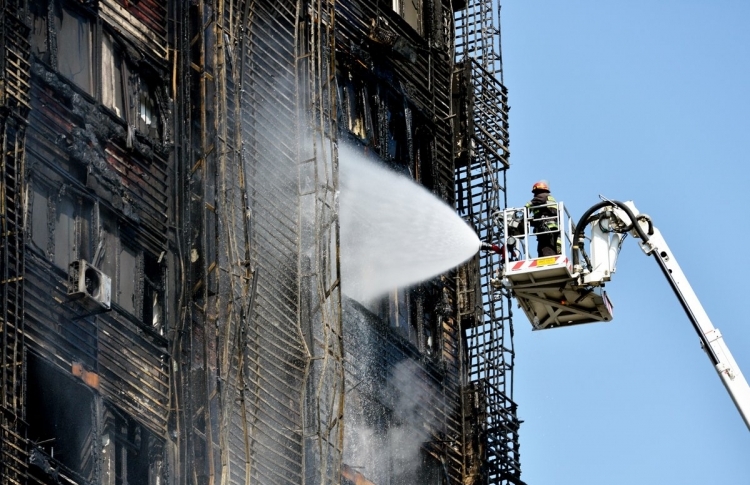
pixel 646 101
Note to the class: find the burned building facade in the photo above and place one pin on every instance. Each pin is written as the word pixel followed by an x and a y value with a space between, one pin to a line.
pixel 172 309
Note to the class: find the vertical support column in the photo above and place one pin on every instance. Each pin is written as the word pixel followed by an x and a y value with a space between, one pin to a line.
pixel 320 289
pixel 14 108
pixel 197 332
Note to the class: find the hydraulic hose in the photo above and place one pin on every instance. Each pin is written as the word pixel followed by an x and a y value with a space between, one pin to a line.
pixel 586 219
pixel 580 226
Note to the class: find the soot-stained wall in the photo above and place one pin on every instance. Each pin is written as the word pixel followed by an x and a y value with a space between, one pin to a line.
pixel 173 310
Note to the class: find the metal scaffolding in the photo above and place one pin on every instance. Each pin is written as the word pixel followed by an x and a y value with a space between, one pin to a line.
pixel 482 158
pixel 320 282
pixel 14 108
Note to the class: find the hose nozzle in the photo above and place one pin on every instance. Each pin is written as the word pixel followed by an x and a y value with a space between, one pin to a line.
pixel 489 247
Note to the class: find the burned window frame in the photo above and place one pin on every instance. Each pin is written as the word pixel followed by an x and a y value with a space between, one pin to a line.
pixel 60 422
pixel 114 70
pixel 377 115
pixel 99 237
pixel 110 445
pixel 148 274
pixel 139 106
pixel 48 216
pixel 413 16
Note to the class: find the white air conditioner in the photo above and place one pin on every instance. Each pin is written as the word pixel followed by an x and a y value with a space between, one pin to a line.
pixel 89 286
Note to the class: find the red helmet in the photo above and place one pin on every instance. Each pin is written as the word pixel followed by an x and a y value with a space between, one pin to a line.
pixel 541 185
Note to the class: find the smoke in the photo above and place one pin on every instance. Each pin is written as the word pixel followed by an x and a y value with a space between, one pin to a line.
pixel 406 438
pixel 383 442
pixel 394 232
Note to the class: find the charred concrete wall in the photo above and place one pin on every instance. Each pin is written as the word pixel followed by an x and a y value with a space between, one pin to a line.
pixel 97 210
pixel 172 311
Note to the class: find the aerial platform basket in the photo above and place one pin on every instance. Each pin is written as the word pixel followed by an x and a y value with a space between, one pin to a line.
pixel 547 288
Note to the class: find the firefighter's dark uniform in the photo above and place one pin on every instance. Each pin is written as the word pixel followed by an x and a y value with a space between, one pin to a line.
pixel 548 244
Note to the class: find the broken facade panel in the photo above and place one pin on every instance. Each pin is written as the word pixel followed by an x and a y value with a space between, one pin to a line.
pixel 172 309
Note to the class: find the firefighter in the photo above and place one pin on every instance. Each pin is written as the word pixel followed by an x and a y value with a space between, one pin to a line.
pixel 543 212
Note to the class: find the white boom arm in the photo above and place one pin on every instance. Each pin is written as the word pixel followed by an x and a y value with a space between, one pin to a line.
pixel 711 338
pixel 653 244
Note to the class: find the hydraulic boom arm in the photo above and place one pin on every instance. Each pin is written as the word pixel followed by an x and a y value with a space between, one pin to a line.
pixel 623 217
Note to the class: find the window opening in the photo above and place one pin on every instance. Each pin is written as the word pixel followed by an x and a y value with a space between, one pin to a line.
pixel 146 119
pixel 85 229
pixel 423 159
pixel 364 100
pixel 65 232
pixel 153 294
pixel 40 230
pixel 39 31
pixel 429 339
pixel 137 277
pixel 355 112
pixel 61 421
pixel 430 321
pixel 112 76
pixel 107 259
pixel 353 99
pixel 133 455
pixel 411 11
pixel 396 128
pixel 74 52
pixel 72 224
pixel 398 304
pixel 129 269
pixel 374 114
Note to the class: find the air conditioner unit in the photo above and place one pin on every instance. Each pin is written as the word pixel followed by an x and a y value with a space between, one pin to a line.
pixel 89 286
